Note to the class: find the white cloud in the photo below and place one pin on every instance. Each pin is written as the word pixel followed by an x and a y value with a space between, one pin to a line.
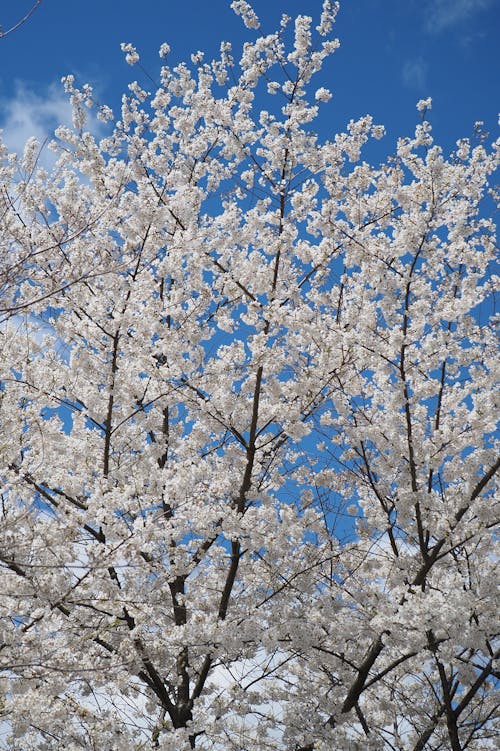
pixel 414 74
pixel 30 113
pixel 37 114
pixel 441 14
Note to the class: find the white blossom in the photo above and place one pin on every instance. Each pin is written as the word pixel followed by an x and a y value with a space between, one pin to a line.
pixel 132 56
pixel 322 95
pixel 424 104
pixel 164 50
pixel 248 421
pixel 247 13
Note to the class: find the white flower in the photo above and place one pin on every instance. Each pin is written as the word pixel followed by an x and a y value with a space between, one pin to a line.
pixel 328 15
pixel 424 104
pixel 273 87
pixel 105 114
pixel 247 13
pixel 378 132
pixel 323 95
pixel 132 56
pixel 31 153
pixel 197 57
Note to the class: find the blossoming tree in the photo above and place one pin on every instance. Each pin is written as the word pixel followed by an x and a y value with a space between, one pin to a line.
pixel 247 410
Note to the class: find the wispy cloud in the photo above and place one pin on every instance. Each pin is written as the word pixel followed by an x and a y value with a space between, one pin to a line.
pixel 30 113
pixel 414 74
pixel 442 14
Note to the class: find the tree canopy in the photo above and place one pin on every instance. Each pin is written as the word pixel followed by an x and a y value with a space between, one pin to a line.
pixel 248 404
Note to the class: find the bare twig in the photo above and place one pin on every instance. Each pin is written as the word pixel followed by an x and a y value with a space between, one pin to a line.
pixel 22 21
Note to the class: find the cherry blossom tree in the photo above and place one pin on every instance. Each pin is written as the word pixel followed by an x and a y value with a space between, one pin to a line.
pixel 248 423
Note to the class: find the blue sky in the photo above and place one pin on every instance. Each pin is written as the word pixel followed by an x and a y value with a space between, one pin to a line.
pixel 393 52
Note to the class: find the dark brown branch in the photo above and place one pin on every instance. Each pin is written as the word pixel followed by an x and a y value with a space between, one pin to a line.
pixel 358 686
